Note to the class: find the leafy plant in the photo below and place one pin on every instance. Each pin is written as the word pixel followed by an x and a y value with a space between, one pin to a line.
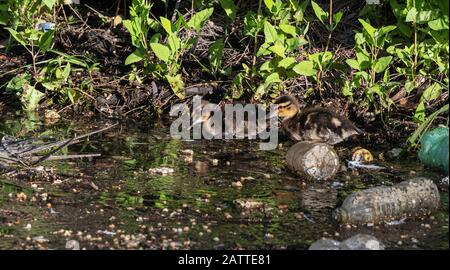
pixel 328 19
pixel 426 22
pixel 281 41
pixel 168 51
pixel 370 44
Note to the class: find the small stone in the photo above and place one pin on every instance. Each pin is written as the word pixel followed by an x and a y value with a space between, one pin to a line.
pixel 362 242
pixel 215 162
pixel 236 184
pixel 394 153
pixel 21 197
pixel 188 155
pixel 40 239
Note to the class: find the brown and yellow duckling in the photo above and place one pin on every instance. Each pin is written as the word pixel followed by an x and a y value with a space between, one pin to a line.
pixel 314 124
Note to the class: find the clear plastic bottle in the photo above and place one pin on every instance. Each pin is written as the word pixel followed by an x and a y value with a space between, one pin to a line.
pixel 377 204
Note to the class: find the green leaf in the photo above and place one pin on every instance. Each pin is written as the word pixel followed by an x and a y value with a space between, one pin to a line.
pixel 337 19
pixel 419 114
pixel 129 26
pixel 286 62
pixel 167 25
pixel 269 4
pixel 215 53
pixel 409 86
pixel 353 64
pixel 161 51
pixel 174 43
pixel 294 43
pixel 49 3
pixel 272 78
pixel 277 49
pixel 305 68
pixel 363 58
pixel 66 71
pixel 229 7
pixel 266 66
pixel 382 63
pixel 360 38
pixel 17 36
pixel 16 84
pixel 320 14
pixel 263 50
pixel 438 24
pixel 431 93
pixel 270 32
pixel 134 57
pixel 386 29
pixel 412 15
pixel 198 19
pixel 369 28
pixel 46 40
pixel 288 29
pixel 347 90
pixel 177 85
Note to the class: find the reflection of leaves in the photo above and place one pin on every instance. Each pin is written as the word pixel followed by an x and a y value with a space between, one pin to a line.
pixel 31 97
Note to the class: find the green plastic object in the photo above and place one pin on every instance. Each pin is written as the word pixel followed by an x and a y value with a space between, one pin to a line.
pixel 434 148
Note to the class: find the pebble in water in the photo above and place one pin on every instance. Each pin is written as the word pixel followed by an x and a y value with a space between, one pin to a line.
pixel 357 242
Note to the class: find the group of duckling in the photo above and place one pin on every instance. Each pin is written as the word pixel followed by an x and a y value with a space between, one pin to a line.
pixel 316 124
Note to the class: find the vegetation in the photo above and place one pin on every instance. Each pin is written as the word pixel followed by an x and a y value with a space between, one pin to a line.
pixel 394 64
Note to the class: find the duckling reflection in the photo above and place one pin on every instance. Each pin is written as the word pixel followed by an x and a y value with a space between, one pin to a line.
pixel 228 121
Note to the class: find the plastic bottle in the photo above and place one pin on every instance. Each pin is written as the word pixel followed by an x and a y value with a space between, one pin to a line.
pixel 434 148
pixel 313 160
pixel 377 204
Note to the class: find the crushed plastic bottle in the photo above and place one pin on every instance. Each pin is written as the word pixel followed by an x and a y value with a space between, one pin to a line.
pixel 383 203
pixel 434 148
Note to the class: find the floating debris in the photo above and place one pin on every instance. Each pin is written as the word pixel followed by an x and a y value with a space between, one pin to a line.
pixel 358 165
pixel 362 155
pixel 386 203
pixel 73 245
pixel 395 222
pixel 313 160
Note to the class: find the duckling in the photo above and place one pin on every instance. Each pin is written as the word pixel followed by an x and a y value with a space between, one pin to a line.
pixel 314 124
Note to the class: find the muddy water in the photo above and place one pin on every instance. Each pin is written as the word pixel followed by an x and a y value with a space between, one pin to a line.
pixel 227 195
